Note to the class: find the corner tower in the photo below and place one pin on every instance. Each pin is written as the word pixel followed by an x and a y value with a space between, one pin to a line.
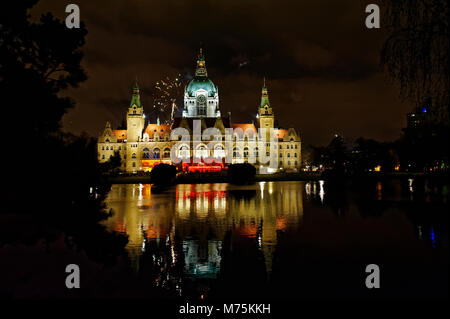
pixel 265 113
pixel 201 96
pixel 135 116
pixel 266 119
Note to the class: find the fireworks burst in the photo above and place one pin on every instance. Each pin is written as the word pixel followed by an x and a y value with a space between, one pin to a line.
pixel 167 95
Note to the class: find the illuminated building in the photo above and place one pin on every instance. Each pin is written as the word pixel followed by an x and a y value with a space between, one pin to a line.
pixel 142 146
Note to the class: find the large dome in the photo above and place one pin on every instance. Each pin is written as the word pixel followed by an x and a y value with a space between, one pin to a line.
pixel 198 83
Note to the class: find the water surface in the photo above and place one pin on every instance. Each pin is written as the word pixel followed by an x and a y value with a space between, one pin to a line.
pixel 286 239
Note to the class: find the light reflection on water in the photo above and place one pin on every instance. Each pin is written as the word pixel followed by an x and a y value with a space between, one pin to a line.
pixel 201 215
pixel 187 229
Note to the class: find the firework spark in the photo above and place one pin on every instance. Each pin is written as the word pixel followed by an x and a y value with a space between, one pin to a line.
pixel 167 94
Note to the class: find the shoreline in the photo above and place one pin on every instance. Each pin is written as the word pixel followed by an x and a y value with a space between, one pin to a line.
pixel 205 178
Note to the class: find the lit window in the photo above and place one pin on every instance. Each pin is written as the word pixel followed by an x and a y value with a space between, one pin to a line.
pixel 245 151
pixel 201 151
pixel 167 153
pixel 156 153
pixel 236 153
pixel 183 152
pixel 146 153
pixel 219 151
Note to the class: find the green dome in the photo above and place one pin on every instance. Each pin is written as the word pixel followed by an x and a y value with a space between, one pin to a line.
pixel 204 83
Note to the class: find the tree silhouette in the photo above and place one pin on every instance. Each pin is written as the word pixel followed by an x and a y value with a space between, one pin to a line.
pixel 38 61
pixel 65 188
pixel 416 53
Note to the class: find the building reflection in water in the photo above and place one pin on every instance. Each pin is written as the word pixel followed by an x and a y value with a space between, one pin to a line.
pixel 188 223
pixel 200 232
pixel 315 189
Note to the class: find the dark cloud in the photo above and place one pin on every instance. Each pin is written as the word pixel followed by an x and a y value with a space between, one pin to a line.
pixel 321 61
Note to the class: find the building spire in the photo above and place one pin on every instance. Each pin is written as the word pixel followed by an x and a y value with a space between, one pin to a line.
pixel 135 98
pixel 200 70
pixel 264 95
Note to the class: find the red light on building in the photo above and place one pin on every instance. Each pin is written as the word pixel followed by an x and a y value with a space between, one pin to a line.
pixel 203 167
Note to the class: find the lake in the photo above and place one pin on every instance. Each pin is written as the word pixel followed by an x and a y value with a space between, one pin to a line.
pixel 293 240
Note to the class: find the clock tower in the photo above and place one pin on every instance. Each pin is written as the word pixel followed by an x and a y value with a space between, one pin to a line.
pixel 265 113
pixel 266 117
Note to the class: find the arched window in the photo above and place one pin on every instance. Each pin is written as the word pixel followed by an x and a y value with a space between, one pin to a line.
pixel 133 155
pixel 183 152
pixel 167 152
pixel 146 153
pixel 107 148
pixel 201 151
pixel 245 151
pixel 236 152
pixel 219 152
pixel 156 153
pixel 103 148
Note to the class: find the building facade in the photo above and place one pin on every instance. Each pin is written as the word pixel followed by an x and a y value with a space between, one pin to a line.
pixel 143 145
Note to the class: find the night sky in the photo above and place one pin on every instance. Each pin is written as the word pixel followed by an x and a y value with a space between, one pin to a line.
pixel 321 62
